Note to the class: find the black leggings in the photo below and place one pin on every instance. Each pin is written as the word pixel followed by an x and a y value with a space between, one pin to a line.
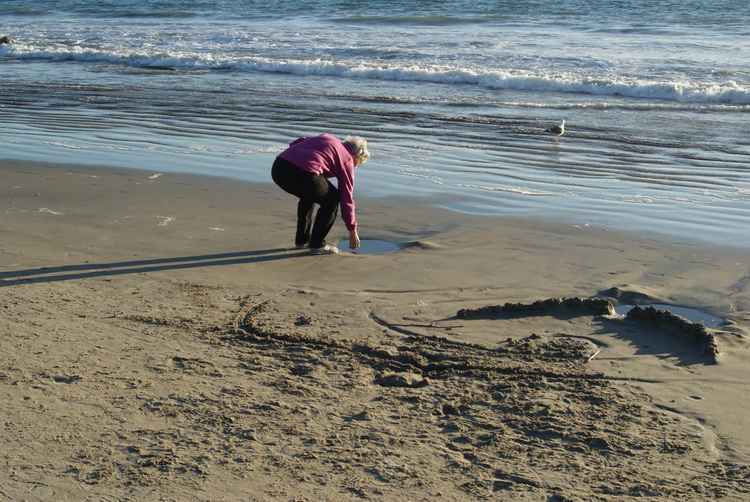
pixel 311 189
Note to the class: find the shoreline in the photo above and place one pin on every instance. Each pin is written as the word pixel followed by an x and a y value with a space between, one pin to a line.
pixel 166 326
pixel 679 214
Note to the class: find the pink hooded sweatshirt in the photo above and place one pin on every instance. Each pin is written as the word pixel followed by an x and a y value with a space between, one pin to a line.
pixel 330 157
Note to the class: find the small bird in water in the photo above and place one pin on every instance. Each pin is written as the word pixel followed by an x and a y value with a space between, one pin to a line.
pixel 557 130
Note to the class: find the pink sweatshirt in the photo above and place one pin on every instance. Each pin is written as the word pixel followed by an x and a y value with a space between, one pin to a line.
pixel 330 157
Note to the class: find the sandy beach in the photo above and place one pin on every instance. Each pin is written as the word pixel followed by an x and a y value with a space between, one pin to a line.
pixel 161 339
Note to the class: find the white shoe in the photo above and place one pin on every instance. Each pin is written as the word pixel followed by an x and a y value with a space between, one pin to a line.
pixel 327 249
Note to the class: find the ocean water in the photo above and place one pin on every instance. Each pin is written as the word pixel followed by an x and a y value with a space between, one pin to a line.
pixel 453 96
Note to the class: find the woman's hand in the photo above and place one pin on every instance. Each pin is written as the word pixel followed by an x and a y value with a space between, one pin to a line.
pixel 353 239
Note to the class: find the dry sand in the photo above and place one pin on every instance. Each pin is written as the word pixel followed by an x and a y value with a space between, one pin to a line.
pixel 161 341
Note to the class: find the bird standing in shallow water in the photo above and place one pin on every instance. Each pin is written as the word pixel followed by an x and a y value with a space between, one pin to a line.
pixel 557 130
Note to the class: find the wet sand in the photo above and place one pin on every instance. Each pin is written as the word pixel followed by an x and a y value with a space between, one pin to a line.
pixel 162 339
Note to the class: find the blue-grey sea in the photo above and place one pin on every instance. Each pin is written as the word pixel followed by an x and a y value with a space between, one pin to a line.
pixel 453 96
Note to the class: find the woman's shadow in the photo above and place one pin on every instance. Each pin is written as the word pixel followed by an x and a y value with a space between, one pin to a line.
pixel 89 270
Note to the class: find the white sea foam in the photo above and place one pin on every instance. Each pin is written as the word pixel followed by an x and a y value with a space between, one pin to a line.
pixel 516 190
pixel 49 211
pixel 166 220
pixel 659 87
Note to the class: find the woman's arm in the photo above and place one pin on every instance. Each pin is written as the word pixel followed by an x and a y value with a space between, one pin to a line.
pixel 353 239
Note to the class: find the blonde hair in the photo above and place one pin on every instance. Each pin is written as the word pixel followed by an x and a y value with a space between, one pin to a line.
pixel 359 145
